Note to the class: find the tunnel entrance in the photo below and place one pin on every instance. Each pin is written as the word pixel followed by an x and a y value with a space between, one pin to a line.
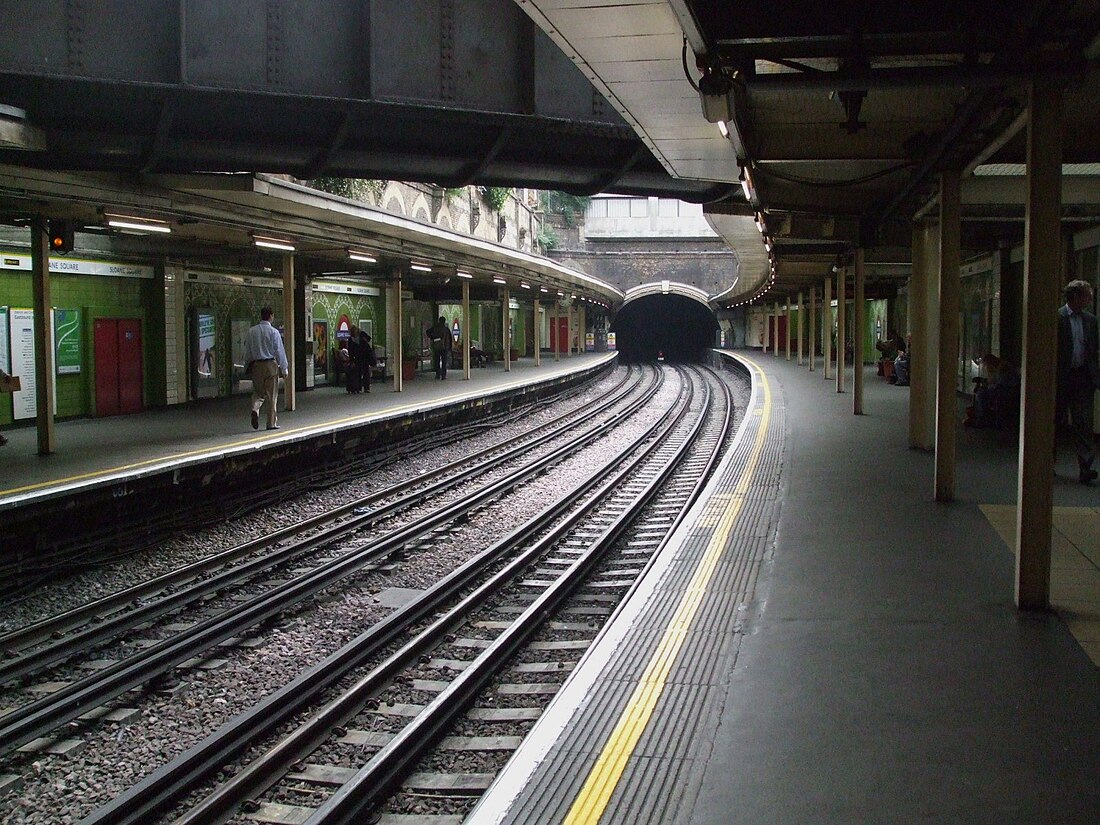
pixel 680 328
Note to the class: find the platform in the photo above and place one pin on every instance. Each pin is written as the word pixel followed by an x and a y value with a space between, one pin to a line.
pixel 823 643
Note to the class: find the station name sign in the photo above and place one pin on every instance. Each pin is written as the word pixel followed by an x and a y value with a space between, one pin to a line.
pixel 78 266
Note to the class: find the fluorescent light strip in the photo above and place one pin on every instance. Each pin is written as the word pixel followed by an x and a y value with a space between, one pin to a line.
pixel 420 267
pixel 272 243
pixel 465 275
pixel 524 286
pixel 362 256
pixel 143 227
pixel 500 281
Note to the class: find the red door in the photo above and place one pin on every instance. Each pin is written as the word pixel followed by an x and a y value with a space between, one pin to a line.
pixel 118 367
pixel 777 326
pixel 559 332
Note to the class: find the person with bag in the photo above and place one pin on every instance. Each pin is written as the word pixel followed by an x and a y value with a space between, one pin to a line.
pixel 265 358
pixel 440 335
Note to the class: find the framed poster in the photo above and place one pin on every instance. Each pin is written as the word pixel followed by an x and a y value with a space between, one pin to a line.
pixel 320 348
pixel 66 341
pixel 5 357
pixel 204 336
pixel 21 337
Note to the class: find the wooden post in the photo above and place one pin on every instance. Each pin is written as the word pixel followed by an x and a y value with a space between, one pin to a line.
pixel 812 335
pixel 950 287
pixel 466 331
pixel 290 390
pixel 841 327
pixel 537 326
pixel 43 337
pixel 859 322
pixel 1042 265
pixel 827 327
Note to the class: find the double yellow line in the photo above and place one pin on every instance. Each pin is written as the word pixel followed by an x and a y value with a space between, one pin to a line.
pixel 591 802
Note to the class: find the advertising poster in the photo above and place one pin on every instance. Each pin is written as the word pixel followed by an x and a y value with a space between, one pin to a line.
pixel 207 339
pixel 320 349
pixel 611 341
pixel 590 342
pixel 5 358
pixel 66 332
pixel 343 329
pixel 21 338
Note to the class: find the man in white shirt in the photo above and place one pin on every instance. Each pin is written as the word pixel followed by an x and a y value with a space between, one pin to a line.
pixel 266 358
pixel 1078 372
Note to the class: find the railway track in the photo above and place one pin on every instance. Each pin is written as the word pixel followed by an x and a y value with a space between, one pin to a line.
pixel 467 481
pixel 577 558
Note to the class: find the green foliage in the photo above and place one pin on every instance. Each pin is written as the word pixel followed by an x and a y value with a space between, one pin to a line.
pixel 356 189
pixel 570 207
pixel 496 196
pixel 547 237
pixel 450 194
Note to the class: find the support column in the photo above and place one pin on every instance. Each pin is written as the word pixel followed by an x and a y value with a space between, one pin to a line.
pixel 919 330
pixel 827 327
pixel 767 327
pixel 841 327
pixel 555 329
pixel 950 287
pixel 812 333
pixel 859 322
pixel 801 325
pixel 537 327
pixel 398 315
pixel 790 323
pixel 1042 265
pixel 290 394
pixel 43 337
pixel 775 312
pixel 466 329
pixel 506 328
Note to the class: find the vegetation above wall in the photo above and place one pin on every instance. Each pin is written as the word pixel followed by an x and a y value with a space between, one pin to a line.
pixel 356 189
pixel 570 207
pixel 496 196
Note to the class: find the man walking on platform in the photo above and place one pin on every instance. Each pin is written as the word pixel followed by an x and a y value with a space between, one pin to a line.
pixel 440 335
pixel 1078 372
pixel 266 360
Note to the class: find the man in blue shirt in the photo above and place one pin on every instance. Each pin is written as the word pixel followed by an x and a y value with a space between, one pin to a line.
pixel 266 358
pixel 1078 372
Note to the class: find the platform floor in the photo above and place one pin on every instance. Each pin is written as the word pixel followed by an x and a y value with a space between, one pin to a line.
pixel 94 449
pixel 823 643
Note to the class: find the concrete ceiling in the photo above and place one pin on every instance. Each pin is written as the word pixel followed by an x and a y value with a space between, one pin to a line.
pixel 842 114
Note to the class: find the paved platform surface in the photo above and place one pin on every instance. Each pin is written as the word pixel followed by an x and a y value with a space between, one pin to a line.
pixel 854 656
pixel 98 448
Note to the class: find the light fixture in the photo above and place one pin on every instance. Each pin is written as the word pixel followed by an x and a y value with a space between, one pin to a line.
pixel 500 281
pixel 524 286
pixel 715 95
pixel 420 267
pixel 543 289
pixel 356 255
pixel 746 183
pixel 723 129
pixel 465 275
pixel 561 294
pixel 273 243
pixel 139 224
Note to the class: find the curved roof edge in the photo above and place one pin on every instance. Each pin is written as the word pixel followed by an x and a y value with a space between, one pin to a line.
pixel 667 288
pixel 753 265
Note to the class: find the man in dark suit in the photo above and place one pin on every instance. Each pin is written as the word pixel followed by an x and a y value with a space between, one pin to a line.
pixel 1078 372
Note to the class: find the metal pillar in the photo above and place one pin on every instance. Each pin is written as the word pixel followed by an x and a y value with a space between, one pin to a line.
pixel 841 327
pixel 555 330
pixel 506 328
pixel 767 328
pixel 827 327
pixel 43 338
pixel 1042 265
pixel 811 336
pixel 775 312
pixel 398 315
pixel 537 327
pixel 950 287
pixel 859 322
pixel 920 330
pixel 790 323
pixel 465 329
pixel 290 390
pixel 801 325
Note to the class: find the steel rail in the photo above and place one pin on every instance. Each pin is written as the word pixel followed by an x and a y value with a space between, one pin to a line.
pixel 169 783
pixel 396 758
pixel 38 718
pixel 448 476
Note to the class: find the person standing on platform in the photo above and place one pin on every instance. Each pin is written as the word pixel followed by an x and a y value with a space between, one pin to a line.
pixel 440 335
pixel 1078 373
pixel 266 360
pixel 352 372
pixel 367 360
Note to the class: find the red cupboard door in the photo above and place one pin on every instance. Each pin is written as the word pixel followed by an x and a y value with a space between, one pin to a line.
pixel 130 383
pixel 105 340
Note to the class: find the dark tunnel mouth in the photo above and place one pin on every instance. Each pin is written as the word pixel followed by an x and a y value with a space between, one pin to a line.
pixel 673 327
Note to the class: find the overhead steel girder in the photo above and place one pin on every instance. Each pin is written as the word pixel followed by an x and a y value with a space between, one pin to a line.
pixel 448 91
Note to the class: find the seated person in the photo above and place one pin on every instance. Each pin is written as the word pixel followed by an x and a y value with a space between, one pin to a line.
pixel 477 354
pixel 901 369
pixel 997 393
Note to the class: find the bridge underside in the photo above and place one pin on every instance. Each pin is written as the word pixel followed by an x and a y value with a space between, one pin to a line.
pixel 446 93
pixel 675 326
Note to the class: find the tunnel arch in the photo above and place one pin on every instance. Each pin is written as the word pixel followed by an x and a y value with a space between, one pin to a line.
pixel 666 318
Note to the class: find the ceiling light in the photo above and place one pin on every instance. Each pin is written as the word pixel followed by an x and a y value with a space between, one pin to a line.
pixel 500 281
pixel 273 243
pixel 420 267
pixel 524 286
pixel 140 224
pixel 356 255
pixel 723 129
pixel 465 275
pixel 543 289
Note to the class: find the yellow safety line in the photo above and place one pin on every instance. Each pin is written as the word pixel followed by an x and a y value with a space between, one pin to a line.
pixel 212 451
pixel 591 802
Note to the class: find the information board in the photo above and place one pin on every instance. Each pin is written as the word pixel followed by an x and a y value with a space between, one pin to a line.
pixel 67 350
pixel 5 358
pixel 21 338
